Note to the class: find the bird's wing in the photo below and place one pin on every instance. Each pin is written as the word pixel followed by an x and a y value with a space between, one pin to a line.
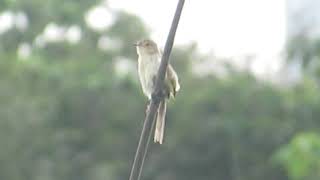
pixel 173 80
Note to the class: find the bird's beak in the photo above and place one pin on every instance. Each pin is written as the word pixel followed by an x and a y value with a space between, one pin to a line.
pixel 136 44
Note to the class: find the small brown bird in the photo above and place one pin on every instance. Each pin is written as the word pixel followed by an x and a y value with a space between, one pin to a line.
pixel 148 65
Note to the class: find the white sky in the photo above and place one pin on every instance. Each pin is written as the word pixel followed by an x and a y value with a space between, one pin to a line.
pixel 229 28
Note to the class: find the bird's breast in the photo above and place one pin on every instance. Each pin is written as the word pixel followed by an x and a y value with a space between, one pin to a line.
pixel 148 69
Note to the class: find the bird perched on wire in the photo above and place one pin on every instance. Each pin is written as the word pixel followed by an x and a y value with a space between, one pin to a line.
pixel 148 65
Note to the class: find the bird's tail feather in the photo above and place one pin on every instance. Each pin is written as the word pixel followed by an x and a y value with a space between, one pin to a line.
pixel 160 124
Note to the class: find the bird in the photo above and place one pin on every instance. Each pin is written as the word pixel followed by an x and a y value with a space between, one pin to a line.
pixel 149 58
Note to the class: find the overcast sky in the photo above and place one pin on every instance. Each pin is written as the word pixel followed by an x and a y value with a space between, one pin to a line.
pixel 229 28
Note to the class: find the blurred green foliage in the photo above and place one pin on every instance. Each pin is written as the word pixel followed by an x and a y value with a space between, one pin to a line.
pixel 305 48
pixel 301 156
pixel 65 112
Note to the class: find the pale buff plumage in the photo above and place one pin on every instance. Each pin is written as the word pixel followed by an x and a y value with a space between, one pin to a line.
pixel 148 65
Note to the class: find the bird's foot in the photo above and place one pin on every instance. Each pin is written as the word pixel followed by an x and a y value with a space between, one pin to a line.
pixel 147 107
pixel 158 95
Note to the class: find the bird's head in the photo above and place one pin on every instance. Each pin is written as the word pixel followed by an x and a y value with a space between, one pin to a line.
pixel 146 47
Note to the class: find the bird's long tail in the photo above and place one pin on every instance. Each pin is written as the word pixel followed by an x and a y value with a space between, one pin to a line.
pixel 159 132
